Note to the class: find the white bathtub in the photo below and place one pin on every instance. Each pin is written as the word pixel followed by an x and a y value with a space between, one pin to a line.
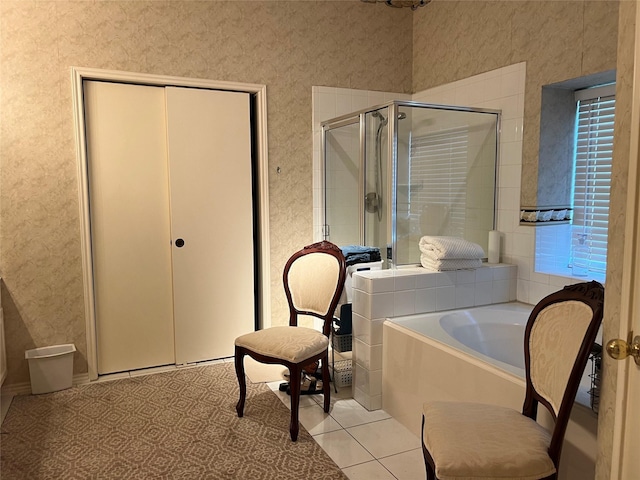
pixel 471 355
pixel 494 333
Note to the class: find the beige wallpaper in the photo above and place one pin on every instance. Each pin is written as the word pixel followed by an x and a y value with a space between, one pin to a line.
pixel 558 40
pixel 287 45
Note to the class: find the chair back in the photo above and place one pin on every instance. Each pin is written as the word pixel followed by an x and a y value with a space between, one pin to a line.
pixel 313 282
pixel 558 339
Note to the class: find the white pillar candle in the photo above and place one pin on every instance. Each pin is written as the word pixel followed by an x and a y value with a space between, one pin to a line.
pixel 494 246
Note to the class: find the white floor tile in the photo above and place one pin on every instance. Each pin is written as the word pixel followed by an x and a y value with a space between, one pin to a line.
pixel 343 448
pixel 368 471
pixel 384 438
pixel 343 394
pixel 405 466
pixel 315 421
pixel 350 413
pixel 305 400
pixel 263 372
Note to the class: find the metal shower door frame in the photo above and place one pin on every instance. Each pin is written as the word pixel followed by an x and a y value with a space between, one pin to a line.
pixel 359 116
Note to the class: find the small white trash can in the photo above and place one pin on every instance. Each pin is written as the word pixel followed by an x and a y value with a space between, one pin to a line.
pixel 51 368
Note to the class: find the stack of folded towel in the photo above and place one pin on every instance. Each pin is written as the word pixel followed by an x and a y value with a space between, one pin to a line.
pixel 360 254
pixel 449 253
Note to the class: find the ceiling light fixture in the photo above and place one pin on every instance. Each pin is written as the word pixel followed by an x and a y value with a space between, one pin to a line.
pixel 413 4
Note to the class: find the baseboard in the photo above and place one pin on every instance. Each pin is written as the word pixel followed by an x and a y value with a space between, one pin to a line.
pixel 24 388
pixel 17 389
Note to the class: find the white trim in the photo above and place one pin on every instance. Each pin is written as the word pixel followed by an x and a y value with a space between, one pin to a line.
pixel 78 75
pixel 621 456
pixel 592 93
pixel 24 388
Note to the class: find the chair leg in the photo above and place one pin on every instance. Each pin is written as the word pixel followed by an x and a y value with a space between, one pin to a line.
pixel 326 387
pixel 295 374
pixel 429 464
pixel 242 383
pixel 431 475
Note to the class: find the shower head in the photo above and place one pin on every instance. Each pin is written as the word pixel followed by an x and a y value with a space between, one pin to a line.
pixel 383 120
pixel 379 115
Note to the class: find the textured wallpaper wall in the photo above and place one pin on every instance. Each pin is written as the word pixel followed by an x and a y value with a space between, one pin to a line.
pixel 558 40
pixel 289 46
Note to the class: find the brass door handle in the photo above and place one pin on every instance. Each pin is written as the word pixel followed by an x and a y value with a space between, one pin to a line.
pixel 619 349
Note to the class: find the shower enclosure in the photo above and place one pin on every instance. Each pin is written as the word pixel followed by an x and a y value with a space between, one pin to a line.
pixel 398 171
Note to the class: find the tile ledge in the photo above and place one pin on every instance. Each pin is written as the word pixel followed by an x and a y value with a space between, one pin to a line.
pixel 420 271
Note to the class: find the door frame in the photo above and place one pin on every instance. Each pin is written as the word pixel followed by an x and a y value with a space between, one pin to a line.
pixel 263 264
pixel 622 457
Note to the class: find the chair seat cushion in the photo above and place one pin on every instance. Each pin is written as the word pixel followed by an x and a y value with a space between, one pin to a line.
pixel 477 441
pixel 293 344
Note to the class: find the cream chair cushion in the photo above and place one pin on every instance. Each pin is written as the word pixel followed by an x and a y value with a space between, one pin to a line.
pixel 465 439
pixel 293 344
pixel 556 338
pixel 312 279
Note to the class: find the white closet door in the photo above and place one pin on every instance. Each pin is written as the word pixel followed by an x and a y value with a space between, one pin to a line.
pixel 130 230
pixel 211 211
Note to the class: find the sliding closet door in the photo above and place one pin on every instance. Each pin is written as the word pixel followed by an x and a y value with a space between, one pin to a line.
pixel 130 230
pixel 211 220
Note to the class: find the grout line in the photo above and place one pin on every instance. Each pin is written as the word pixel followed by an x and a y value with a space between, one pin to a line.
pixel 400 453
pixel 390 472
pixel 319 402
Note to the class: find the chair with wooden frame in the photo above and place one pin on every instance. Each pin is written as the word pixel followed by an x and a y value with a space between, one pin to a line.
pixel 478 441
pixel 313 282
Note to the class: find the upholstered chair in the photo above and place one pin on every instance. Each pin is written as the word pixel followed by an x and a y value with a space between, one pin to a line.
pixel 478 441
pixel 313 282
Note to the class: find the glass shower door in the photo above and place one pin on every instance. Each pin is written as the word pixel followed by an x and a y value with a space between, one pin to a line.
pixel 446 172
pixel 377 188
pixel 342 183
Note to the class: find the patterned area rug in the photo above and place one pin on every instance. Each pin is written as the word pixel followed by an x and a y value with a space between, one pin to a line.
pixel 175 425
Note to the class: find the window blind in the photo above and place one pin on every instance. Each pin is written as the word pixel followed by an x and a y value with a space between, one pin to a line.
pixel 439 164
pixel 592 183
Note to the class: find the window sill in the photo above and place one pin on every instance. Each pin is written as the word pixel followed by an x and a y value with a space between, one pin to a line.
pixel 544 223
pixel 567 273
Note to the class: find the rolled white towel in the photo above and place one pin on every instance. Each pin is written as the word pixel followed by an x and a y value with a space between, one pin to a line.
pixel 445 248
pixel 436 265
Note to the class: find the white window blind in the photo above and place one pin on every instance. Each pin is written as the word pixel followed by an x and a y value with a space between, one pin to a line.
pixel 439 164
pixel 592 181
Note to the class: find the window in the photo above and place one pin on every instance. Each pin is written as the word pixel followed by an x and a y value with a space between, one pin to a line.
pixel 579 249
pixel 592 180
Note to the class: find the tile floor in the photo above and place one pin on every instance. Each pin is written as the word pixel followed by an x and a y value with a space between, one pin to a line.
pixel 365 445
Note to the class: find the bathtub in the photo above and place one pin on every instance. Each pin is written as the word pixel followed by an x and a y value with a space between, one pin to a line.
pixel 472 355
pixel 493 333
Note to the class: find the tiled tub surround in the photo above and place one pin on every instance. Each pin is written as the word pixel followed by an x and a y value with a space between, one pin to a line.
pixel 382 294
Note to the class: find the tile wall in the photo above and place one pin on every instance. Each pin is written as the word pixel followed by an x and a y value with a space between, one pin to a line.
pixel 328 103
pixel 382 294
pixel 498 89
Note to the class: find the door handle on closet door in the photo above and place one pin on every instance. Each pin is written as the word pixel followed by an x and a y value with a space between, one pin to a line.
pixel 179 243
